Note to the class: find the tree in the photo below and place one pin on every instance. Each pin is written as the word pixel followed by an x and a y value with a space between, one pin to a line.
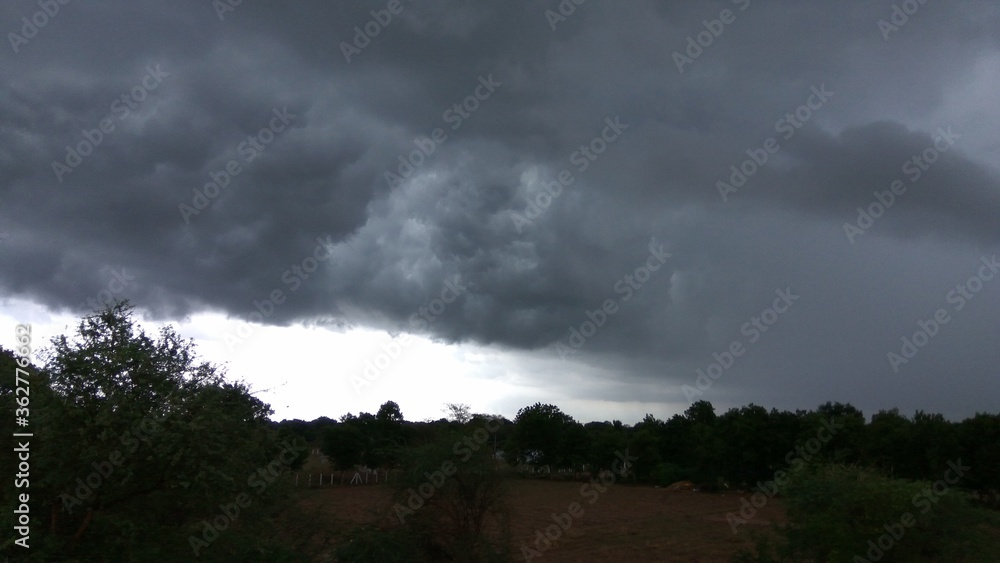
pixel 539 435
pixel 980 441
pixel 846 445
pixel 886 443
pixel 466 518
pixel 345 445
pixel 458 412
pixel 139 445
pixel 748 451
pixel 603 440
pixel 389 414
pixel 704 444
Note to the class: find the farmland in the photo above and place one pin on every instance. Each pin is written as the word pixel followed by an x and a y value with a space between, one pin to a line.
pixel 624 523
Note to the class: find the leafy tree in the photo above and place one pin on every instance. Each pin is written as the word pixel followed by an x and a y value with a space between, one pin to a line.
pixel 980 439
pixel 344 444
pixel 458 412
pixel 935 442
pixel 886 443
pixel 389 415
pixel 575 446
pixel 704 444
pixel 539 435
pixel 604 440
pixel 139 445
pixel 847 444
pixel 447 506
pixel 749 451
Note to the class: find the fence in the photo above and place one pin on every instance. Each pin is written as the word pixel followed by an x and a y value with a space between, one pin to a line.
pixel 351 477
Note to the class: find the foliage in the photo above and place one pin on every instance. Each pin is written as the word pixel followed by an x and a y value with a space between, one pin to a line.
pixel 541 436
pixel 980 442
pixel 458 412
pixel 665 474
pixel 449 505
pixel 345 445
pixel 137 444
pixel 736 449
pixel 466 516
pixel 373 440
pixel 845 514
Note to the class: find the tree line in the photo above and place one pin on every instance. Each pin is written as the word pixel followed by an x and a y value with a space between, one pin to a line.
pixel 735 449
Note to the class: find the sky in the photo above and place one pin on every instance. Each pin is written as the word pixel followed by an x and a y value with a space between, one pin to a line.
pixel 615 207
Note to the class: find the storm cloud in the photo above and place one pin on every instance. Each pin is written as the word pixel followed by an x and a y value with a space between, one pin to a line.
pixel 631 186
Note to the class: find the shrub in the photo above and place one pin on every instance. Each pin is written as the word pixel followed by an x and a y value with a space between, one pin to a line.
pixel 665 474
pixel 449 504
pixel 850 514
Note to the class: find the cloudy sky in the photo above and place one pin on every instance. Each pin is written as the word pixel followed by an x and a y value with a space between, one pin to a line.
pixel 615 207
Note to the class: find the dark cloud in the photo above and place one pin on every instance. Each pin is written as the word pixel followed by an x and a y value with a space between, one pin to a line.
pixel 317 186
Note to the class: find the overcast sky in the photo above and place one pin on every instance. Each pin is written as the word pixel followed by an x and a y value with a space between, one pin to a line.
pixel 504 202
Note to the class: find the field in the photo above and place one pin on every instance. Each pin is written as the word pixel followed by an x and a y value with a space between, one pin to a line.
pixel 624 523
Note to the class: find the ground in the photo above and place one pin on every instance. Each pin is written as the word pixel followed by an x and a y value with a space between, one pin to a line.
pixel 624 523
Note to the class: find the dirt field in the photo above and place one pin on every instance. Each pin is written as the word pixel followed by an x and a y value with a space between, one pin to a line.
pixel 624 523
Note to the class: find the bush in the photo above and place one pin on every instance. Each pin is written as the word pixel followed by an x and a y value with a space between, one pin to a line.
pixel 449 504
pixel 849 514
pixel 665 474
